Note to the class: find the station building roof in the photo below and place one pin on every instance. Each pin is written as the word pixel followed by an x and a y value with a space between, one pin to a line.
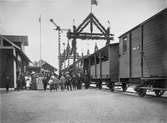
pixel 22 54
pixel 18 38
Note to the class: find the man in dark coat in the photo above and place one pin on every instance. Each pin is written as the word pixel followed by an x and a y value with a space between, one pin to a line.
pixel 45 82
pixel 74 81
pixel 7 82
pixel 79 78
pixel 23 81
pixel 87 80
pixel 18 82
pixel 34 84
pixel 68 81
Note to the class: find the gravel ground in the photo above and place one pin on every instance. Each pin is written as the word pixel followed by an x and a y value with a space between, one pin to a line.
pixel 82 106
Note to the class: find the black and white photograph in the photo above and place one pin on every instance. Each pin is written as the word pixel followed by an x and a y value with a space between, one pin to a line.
pixel 83 61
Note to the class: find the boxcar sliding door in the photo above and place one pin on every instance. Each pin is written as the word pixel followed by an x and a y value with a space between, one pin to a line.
pixel 136 52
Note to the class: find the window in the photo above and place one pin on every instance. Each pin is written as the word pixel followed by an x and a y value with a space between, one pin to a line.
pixel 124 45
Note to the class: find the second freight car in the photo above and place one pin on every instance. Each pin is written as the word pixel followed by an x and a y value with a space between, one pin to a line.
pixel 103 65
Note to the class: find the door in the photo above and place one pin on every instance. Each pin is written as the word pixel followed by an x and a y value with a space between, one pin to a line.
pixel 136 52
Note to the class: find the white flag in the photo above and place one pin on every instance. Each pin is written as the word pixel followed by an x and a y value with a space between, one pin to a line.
pixel 94 2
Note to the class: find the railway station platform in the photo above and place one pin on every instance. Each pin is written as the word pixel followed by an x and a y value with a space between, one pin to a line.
pixel 81 106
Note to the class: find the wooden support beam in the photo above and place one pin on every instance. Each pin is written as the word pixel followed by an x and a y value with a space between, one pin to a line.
pixel 102 31
pixel 14 68
pixel 95 37
pixel 74 45
pixel 108 35
pixel 89 64
pixel 100 60
pixel 95 65
pixel 90 36
pixel 99 24
pixel 86 19
pixel 100 34
pixel 8 47
pixel 81 29
pixel 91 25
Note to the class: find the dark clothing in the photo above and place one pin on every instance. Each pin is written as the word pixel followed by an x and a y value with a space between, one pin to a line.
pixel 7 83
pixel 23 82
pixel 45 82
pixel 68 84
pixel 87 81
pixel 79 85
pixel 34 84
pixel 45 86
pixel 74 83
pixel 18 84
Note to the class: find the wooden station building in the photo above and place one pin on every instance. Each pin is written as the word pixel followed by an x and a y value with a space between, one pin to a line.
pixel 13 61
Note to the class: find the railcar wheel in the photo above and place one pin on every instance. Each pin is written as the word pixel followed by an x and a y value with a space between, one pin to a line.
pixel 111 86
pixel 112 89
pixel 159 93
pixel 100 86
pixel 124 87
pixel 142 92
pixel 87 85
pixel 97 85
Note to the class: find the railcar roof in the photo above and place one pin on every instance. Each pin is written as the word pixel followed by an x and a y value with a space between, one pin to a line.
pixel 162 11
pixel 101 49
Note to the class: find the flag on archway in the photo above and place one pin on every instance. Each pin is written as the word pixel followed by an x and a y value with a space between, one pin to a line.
pixel 94 2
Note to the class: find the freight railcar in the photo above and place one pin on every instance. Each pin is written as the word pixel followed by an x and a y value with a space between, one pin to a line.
pixel 143 55
pixel 103 65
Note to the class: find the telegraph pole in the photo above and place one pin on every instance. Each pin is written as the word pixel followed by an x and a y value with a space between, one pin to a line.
pixel 59 43
pixel 40 38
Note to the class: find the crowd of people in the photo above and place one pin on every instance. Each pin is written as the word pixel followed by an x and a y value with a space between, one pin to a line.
pixel 63 82
pixel 67 81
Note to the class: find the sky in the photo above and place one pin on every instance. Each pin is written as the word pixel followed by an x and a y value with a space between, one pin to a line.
pixel 21 17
